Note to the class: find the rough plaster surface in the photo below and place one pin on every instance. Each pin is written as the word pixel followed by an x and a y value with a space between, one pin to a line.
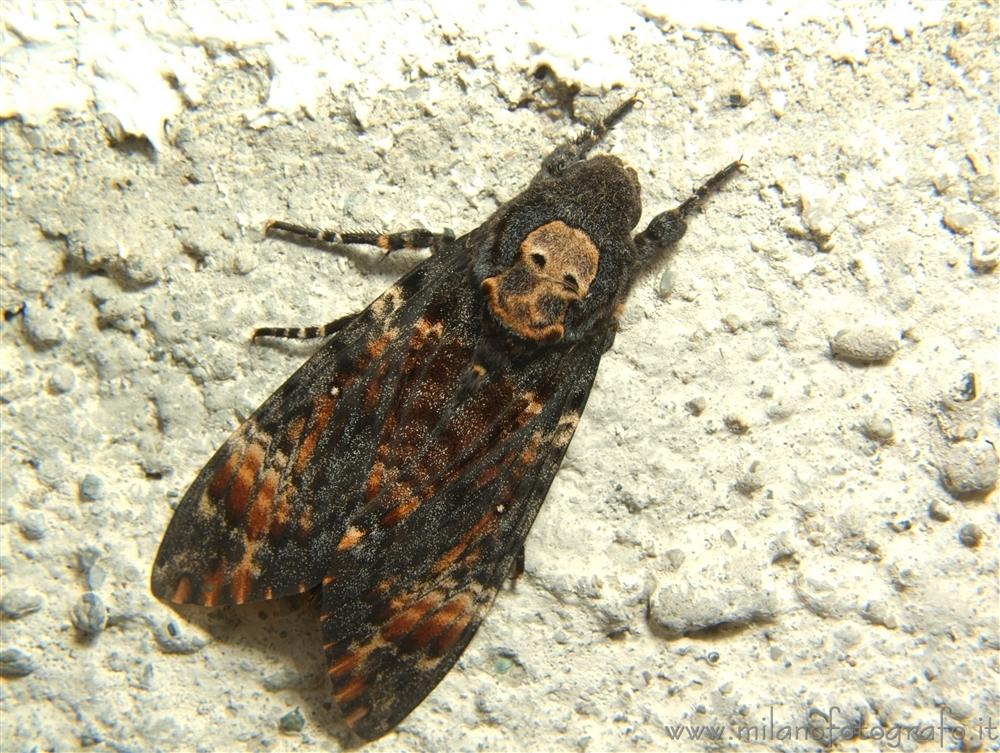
pixel 779 510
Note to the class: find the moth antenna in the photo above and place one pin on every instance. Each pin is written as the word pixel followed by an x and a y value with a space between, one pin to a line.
pixel 565 155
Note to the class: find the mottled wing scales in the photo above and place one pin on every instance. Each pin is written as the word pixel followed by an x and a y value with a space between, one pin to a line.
pixel 376 682
pixel 397 469
pixel 399 609
pixel 235 504
pixel 265 515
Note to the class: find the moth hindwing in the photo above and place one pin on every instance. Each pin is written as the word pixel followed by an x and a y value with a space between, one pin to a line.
pixel 400 468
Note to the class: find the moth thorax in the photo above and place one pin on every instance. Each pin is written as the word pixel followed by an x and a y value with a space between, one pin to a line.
pixel 555 267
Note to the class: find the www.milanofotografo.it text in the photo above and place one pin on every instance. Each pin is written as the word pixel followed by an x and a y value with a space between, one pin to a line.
pixel 830 725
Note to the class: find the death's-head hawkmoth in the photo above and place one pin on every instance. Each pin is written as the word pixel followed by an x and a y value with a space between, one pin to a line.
pixel 400 468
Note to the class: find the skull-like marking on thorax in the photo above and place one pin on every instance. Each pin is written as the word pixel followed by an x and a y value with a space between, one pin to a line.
pixel 556 266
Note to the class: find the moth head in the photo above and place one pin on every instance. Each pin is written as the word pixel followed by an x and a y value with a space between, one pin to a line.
pixel 561 249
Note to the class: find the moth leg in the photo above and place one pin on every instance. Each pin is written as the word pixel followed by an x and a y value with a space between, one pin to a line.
pixel 517 566
pixel 304 333
pixel 388 242
pixel 565 155
pixel 666 228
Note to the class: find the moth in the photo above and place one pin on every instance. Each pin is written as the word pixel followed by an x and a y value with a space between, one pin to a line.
pixel 399 470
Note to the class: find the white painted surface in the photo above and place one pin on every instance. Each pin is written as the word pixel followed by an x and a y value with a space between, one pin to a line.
pixel 142 271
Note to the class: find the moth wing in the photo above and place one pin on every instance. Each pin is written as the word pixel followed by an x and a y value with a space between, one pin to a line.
pixel 262 519
pixel 426 554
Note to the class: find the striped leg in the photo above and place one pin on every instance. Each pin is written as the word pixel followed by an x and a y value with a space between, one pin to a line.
pixel 388 242
pixel 303 333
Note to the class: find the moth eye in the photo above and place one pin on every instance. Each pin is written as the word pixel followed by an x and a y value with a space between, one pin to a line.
pixel 570 282
pixel 539 260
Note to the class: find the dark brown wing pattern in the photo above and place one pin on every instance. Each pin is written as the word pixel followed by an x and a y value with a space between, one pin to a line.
pixel 265 515
pixel 442 519
pixel 402 467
